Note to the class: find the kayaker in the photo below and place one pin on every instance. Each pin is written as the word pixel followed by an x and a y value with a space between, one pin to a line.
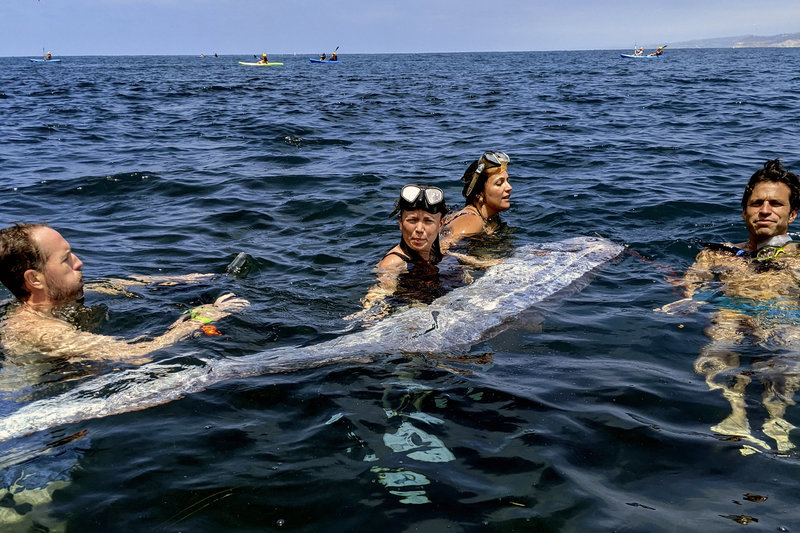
pixel 487 192
pixel 263 60
pixel 658 52
pixel 322 56
pixel 333 56
pixel 639 51
pixel 48 56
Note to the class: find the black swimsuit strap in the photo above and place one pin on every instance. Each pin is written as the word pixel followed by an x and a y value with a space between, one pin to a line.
pixel 401 256
pixel 414 257
pixel 718 247
pixel 465 212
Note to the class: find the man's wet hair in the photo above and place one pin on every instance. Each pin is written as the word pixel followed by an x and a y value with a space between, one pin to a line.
pixel 773 171
pixel 18 253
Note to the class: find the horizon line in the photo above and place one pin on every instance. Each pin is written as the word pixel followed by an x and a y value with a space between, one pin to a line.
pixel 316 54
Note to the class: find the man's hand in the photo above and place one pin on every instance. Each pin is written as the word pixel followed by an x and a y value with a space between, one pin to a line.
pixel 683 306
pixel 222 307
pixel 231 303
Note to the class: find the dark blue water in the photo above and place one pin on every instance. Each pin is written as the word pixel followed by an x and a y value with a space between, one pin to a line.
pixel 594 420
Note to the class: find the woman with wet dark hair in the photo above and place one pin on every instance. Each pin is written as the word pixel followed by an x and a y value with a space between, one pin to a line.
pixel 487 192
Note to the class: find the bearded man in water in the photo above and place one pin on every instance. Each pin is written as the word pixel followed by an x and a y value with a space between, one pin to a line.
pixel 40 269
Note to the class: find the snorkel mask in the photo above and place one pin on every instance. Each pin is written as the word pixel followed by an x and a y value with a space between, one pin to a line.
pixel 430 199
pixel 765 252
pixel 491 159
pixel 772 248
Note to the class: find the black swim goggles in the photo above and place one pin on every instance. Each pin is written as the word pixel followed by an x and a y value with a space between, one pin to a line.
pixel 430 199
pixel 491 159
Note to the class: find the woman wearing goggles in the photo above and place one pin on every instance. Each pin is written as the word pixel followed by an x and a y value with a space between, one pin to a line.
pixel 421 210
pixel 487 192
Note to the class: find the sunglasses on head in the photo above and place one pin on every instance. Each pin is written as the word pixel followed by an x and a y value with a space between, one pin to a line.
pixel 490 159
pixel 431 199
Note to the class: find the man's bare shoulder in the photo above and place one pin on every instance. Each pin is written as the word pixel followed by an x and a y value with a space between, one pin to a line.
pixel 23 319
pixel 27 332
pixel 792 249
pixel 726 248
pixel 738 255
pixel 720 254
pixel 24 330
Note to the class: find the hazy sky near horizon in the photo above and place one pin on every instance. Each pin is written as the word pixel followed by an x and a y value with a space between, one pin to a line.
pixel 134 27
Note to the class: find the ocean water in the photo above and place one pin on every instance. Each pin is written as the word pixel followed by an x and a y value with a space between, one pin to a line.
pixel 586 416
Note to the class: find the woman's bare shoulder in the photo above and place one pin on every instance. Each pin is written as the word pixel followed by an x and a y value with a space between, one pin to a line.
pixel 392 259
pixel 464 222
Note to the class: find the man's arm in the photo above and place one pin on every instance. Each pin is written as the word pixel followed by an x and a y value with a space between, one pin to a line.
pixel 700 272
pixel 693 279
pixel 60 339
pixel 119 286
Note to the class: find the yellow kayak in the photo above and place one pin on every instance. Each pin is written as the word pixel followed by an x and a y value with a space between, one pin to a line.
pixel 260 64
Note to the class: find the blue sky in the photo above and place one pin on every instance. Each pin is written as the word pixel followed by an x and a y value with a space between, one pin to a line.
pixel 121 27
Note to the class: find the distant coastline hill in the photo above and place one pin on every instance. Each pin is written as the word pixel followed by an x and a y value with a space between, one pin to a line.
pixel 784 40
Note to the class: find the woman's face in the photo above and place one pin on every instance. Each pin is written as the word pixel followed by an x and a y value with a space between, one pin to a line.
pixel 497 191
pixel 420 229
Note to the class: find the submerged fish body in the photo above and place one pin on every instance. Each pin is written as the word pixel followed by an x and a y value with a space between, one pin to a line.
pixel 453 322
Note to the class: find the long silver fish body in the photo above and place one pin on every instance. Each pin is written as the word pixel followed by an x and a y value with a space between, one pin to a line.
pixel 452 323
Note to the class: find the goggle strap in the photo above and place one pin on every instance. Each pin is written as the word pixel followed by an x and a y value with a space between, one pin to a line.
pixel 480 168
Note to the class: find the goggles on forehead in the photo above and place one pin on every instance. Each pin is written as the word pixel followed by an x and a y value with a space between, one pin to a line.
pixel 491 159
pixel 430 199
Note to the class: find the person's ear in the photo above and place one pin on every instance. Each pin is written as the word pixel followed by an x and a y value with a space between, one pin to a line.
pixel 792 215
pixel 33 279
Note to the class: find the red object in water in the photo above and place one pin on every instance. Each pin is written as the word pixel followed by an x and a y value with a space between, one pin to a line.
pixel 210 329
